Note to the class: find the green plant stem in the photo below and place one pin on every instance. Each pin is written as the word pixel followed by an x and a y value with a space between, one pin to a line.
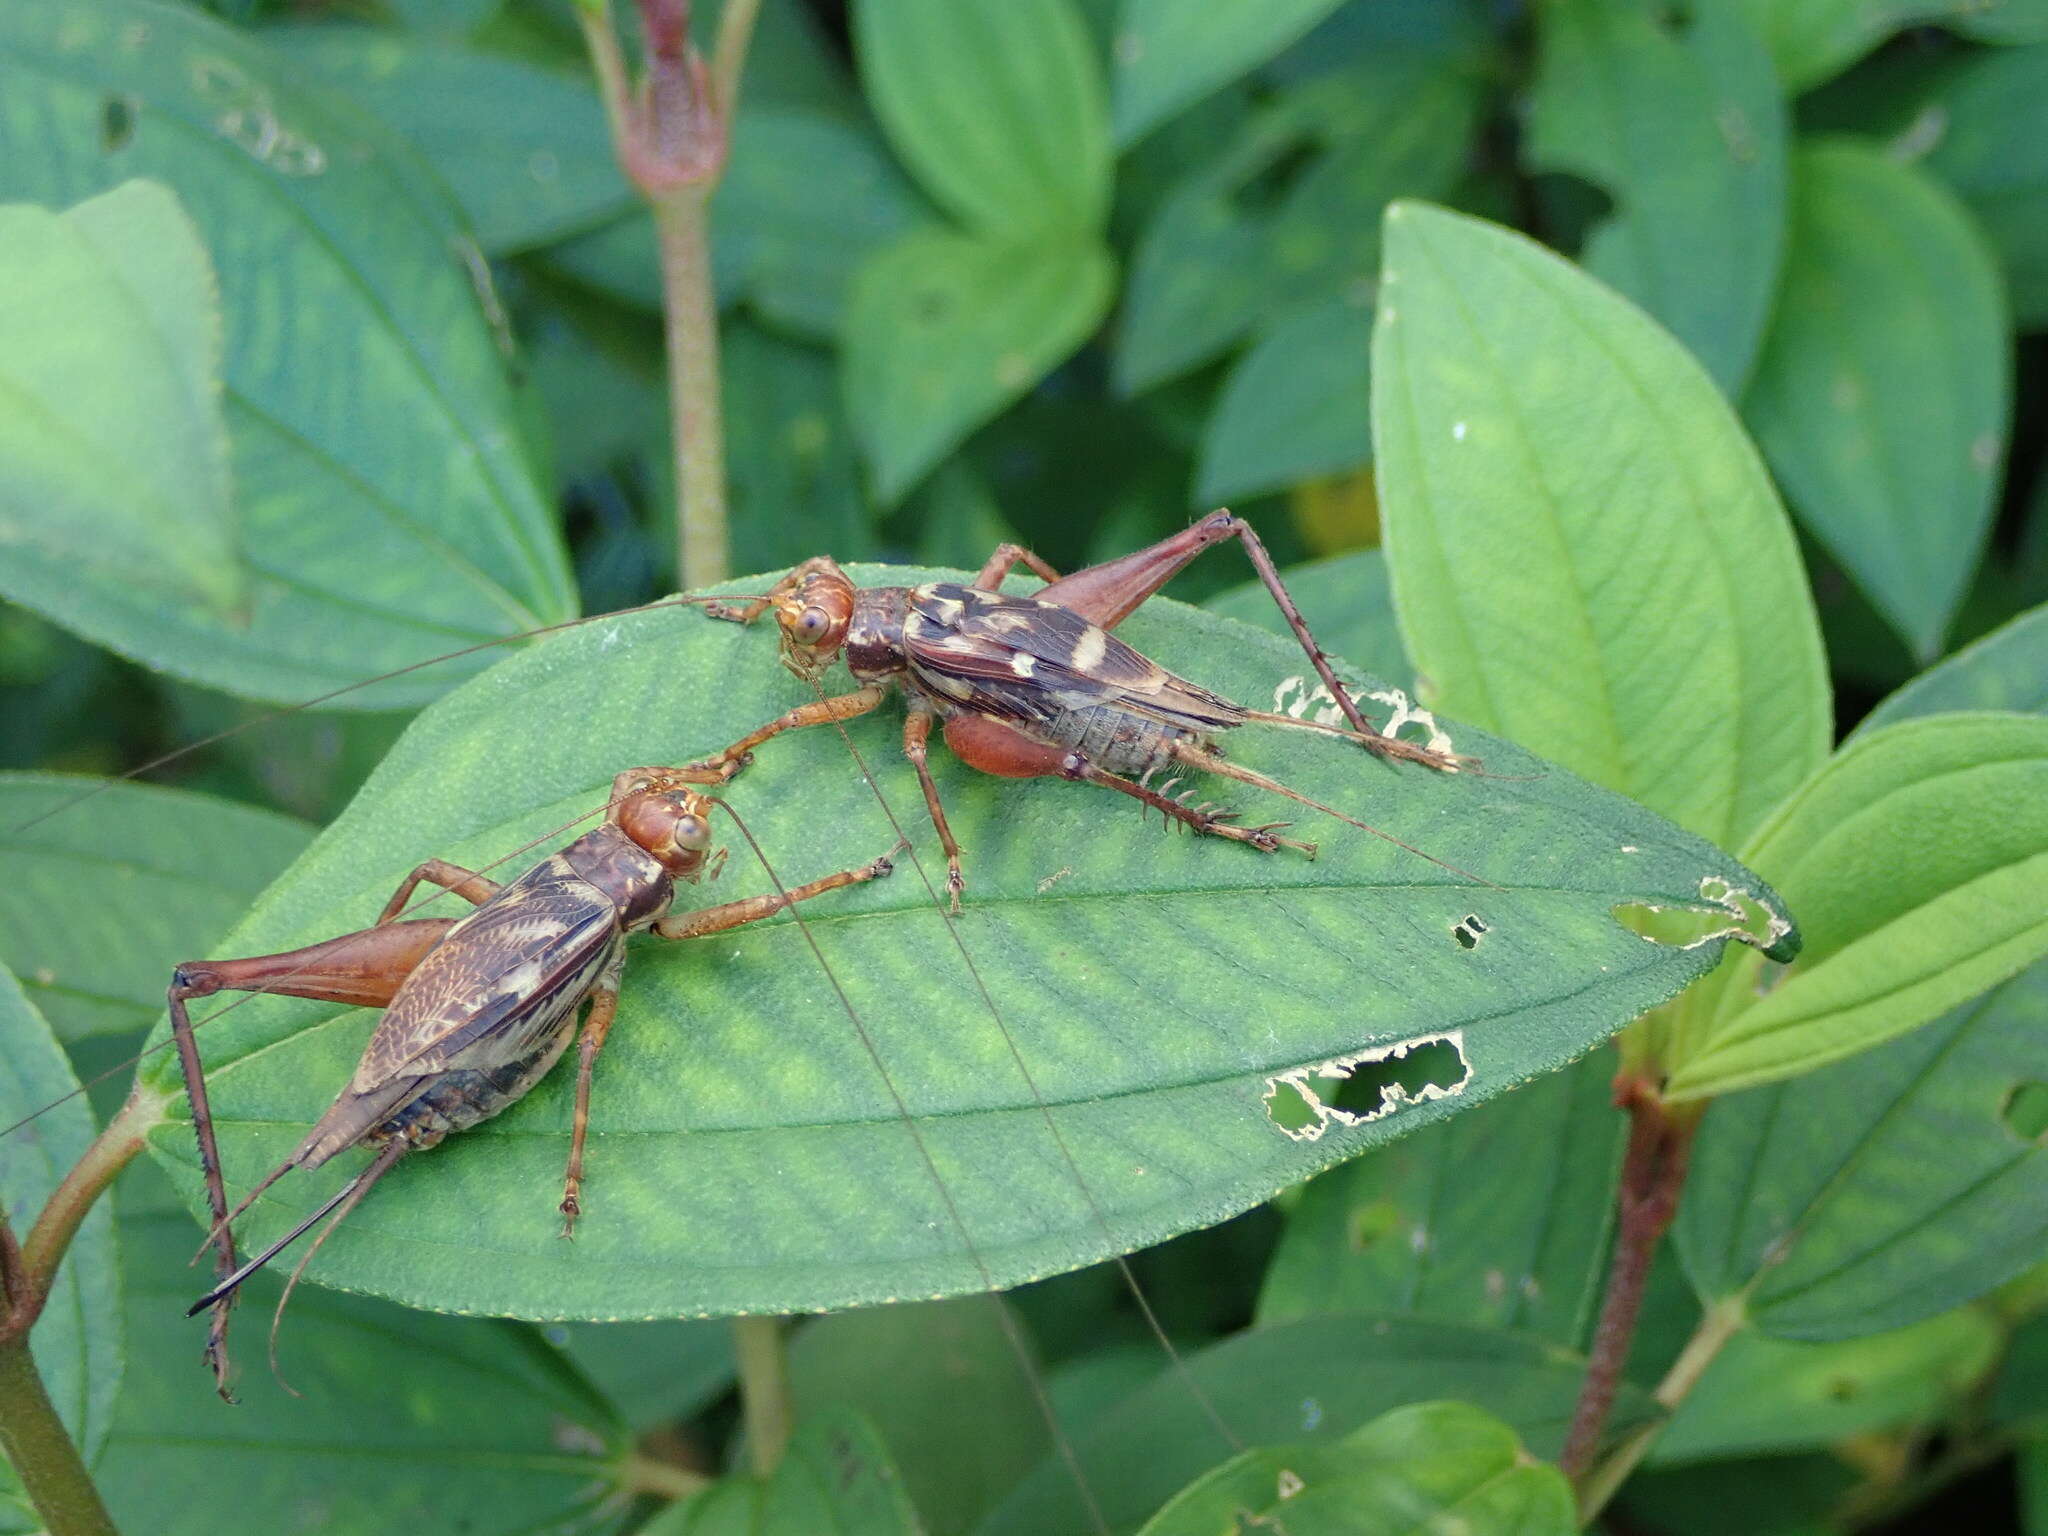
pixel 48 1240
pixel 729 54
pixel 764 1389
pixel 1652 1178
pixel 663 1479
pixel 1722 1322
pixel 690 318
pixel 41 1452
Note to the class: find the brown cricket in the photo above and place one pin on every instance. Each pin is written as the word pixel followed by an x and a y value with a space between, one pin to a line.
pixel 476 1009
pixel 1037 686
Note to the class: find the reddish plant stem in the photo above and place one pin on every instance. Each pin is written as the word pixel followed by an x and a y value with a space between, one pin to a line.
pixel 1653 1172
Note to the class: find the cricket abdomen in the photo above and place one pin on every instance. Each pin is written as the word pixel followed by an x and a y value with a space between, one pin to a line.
pixel 455 1101
pixel 1112 738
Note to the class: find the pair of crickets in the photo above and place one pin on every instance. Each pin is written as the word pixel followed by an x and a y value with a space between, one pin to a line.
pixel 478 1009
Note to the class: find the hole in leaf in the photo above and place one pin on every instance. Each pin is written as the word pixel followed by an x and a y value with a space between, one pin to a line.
pixel 1469 930
pixel 117 121
pixel 1726 913
pixel 1290 1108
pixel 2025 1111
pixel 1375 1086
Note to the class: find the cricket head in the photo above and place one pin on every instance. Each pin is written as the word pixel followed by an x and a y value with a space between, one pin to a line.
pixel 813 606
pixel 674 826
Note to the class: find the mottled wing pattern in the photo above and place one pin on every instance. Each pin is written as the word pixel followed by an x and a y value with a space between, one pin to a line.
pixel 1021 659
pixel 499 982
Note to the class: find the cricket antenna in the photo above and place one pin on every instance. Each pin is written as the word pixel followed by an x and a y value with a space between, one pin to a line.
pixel 1011 1332
pixel 1130 1278
pixel 166 759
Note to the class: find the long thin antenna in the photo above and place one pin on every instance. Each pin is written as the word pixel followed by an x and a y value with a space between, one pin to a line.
pixel 924 1152
pixel 283 710
pixel 1130 1278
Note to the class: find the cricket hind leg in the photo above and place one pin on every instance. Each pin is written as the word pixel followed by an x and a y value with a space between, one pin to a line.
pixel 1106 594
pixel 363 969
pixel 994 747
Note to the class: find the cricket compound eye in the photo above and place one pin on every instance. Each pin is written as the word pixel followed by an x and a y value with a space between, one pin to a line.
pixel 691 832
pixel 810 625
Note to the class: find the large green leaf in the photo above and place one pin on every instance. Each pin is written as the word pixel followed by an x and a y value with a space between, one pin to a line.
pixel 1169 55
pixel 113 456
pixel 998 109
pixel 404 1421
pixel 1313 1381
pixel 1586 552
pixel 2007 669
pixel 1771 1395
pixel 1296 405
pixel 1813 39
pixel 1883 1190
pixel 1991 109
pixel 99 900
pixel 835 1479
pixel 943 330
pixel 652 1373
pixel 1882 396
pixel 1499 1217
pixel 1428 1468
pixel 1126 966
pixel 1683 124
pixel 943 1384
pixel 1919 861
pixel 1347 603
pixel 77 1341
pixel 1288 213
pixel 388 513
pixel 524 149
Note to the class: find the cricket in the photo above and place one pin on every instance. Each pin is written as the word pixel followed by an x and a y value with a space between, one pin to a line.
pixel 1037 686
pixel 477 1009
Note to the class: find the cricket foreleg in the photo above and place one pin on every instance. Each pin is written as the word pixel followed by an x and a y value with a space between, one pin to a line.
pixel 597 1024
pixel 995 747
pixel 917 730
pixel 364 969
pixel 466 883
pixel 1005 556
pixel 845 706
pixel 732 914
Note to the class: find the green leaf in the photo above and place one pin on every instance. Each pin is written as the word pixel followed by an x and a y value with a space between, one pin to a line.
pixel 388 512
pixel 733 1075
pixel 1298 404
pixel 944 330
pixel 1683 124
pixel 2007 669
pixel 1586 553
pixel 100 900
pixel 524 149
pixel 77 1341
pixel 1289 212
pixel 1431 1467
pixel 795 476
pixel 835 1479
pixel 1169 55
pixel 1347 602
pixel 1498 1218
pixel 1988 110
pixel 113 457
pixel 1812 40
pixel 652 1373
pixel 406 1420
pixel 1882 396
pixel 1889 1188
pixel 806 201
pixel 943 1385
pixel 1312 1381
pixel 1774 1395
pixel 1918 863
pixel 997 109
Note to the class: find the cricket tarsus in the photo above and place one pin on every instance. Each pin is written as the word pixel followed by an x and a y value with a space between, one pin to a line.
pixel 1036 686
pixel 459 1041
